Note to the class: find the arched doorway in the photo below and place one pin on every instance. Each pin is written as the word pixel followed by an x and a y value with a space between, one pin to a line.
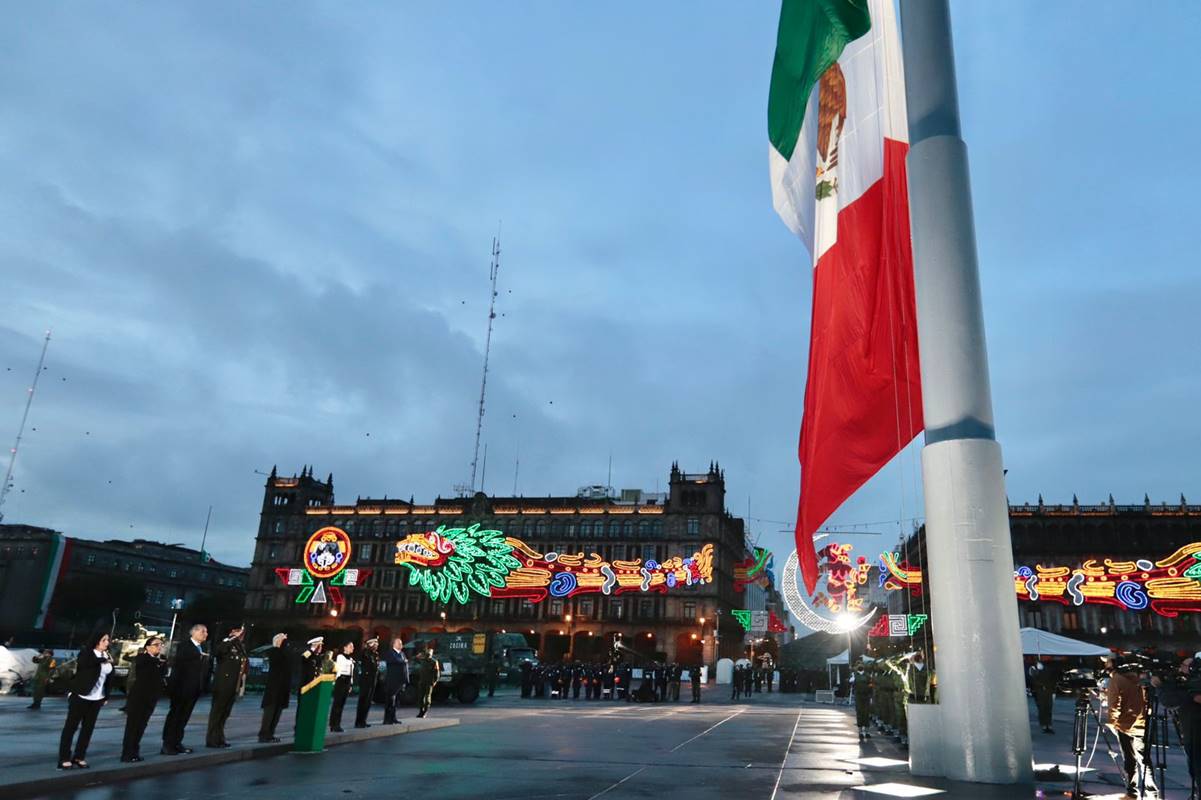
pixel 688 648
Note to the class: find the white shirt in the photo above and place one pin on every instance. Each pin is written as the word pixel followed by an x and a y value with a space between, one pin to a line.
pixel 106 667
pixel 343 666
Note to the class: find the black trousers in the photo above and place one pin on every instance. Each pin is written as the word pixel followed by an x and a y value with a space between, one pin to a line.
pixel 177 719
pixel 425 695
pixel 81 716
pixel 39 691
pixel 391 700
pixel 270 720
pixel 1045 701
pixel 223 704
pixel 364 707
pixel 1132 760
pixel 341 691
pixel 137 715
pixel 696 691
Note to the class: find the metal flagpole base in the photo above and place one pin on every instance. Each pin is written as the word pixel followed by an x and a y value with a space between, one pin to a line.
pixel 985 728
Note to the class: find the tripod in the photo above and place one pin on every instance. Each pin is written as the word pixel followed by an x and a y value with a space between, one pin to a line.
pixel 1084 709
pixel 1155 745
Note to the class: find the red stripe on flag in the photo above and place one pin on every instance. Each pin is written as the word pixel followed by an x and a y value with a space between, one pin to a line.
pixel 863 397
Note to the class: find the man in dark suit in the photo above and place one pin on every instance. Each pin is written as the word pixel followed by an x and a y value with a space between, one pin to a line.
pixel 188 671
pixel 368 673
pixel 278 692
pixel 232 664
pixel 395 679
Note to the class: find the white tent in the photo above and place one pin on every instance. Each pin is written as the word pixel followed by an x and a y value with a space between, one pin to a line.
pixel 1037 642
pixel 842 658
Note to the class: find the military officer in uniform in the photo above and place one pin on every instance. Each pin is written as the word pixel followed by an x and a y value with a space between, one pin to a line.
pixel 492 674
pixel 45 662
pixel 232 664
pixel 695 675
pixel 368 674
pixel 428 670
pixel 862 683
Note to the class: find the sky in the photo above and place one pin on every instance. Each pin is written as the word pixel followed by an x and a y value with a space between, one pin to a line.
pixel 260 235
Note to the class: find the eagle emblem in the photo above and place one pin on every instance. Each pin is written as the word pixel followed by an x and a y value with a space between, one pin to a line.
pixel 831 118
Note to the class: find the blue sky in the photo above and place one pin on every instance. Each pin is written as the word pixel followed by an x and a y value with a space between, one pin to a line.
pixel 260 233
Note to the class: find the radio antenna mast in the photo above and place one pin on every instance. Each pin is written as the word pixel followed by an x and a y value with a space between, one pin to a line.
pixel 494 268
pixel 12 458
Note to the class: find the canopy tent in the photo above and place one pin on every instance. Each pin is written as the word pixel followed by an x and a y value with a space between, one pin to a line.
pixel 842 658
pixel 1037 642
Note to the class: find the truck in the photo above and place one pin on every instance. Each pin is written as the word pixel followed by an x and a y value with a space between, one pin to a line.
pixel 464 660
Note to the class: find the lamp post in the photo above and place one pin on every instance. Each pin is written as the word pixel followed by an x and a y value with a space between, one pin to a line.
pixel 570 636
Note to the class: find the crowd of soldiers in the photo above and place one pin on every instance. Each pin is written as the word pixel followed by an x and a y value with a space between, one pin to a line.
pixel 609 680
pixel 748 679
pixel 883 690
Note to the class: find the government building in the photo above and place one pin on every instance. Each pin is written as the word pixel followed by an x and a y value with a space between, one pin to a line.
pixel 1139 583
pixel 610 539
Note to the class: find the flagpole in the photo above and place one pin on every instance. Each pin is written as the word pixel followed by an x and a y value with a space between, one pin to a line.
pixel 981 724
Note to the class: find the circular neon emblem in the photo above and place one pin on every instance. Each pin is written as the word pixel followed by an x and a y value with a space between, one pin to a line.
pixel 327 552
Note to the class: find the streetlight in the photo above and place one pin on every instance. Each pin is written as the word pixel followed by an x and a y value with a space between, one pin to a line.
pixel 570 636
pixel 333 612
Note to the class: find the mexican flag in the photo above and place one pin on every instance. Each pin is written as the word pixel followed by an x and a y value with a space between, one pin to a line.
pixel 837 124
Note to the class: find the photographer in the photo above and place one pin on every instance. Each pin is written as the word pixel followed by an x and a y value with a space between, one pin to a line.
pixel 1127 718
pixel 1184 695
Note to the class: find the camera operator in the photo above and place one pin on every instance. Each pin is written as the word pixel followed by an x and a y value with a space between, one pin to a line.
pixel 1182 692
pixel 1128 719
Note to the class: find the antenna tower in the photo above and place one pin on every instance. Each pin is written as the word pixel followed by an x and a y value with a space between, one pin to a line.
pixel 12 459
pixel 494 268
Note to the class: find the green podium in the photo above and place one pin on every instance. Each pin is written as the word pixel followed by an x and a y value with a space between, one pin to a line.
pixel 312 714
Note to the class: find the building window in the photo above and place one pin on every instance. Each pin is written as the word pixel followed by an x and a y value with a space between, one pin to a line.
pixel 585 530
pixel 91 559
pixel 388 578
pixel 644 530
pixel 377 529
pixel 585 608
pixel 648 552
pixel 412 602
pixel 402 528
pixel 689 609
pixel 383 605
pixel 265 602
pixel 498 608
pixel 556 608
pixel 365 553
pixel 658 527
pixel 617 608
pixel 174 573
pixel 279 526
pixel 615 529
pixel 357 602
pixel 543 528
pixel 569 530
pixel 1071 620
pixel 646 607
pixel 694 526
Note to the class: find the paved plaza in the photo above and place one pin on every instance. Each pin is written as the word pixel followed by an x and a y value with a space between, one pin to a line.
pixel 774 747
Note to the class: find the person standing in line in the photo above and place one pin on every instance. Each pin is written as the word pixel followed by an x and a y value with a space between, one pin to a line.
pixel 861 682
pixel 277 694
pixel 748 680
pixel 577 679
pixel 771 676
pixel 149 671
pixel 368 675
pixel 232 663
pixel 428 670
pixel 736 681
pixel 695 675
pixel 527 678
pixel 87 692
pixel 188 671
pixel 45 662
pixel 343 677
pixel 396 678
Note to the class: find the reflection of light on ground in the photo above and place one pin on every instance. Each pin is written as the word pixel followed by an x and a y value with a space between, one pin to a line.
pixel 899 790
pixel 1066 769
pixel 877 761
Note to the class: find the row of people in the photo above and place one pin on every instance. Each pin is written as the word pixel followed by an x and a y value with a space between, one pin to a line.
pixel 746 679
pixel 607 681
pixel 183 679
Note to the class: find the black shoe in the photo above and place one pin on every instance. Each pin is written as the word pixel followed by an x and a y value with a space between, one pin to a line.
pixel 361 725
pixel 132 759
pixel 183 750
pixel 169 751
pixel 336 730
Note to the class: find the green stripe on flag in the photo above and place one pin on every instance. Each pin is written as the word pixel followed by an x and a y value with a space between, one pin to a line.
pixel 812 35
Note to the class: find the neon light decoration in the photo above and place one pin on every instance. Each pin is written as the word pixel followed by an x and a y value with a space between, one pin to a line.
pixel 899 575
pixel 898 625
pixel 325 557
pixel 757 570
pixel 841 596
pixel 1168 587
pixel 759 621
pixel 457 563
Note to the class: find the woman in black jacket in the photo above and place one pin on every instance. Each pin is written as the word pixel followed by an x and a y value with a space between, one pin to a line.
pixel 149 673
pixel 87 692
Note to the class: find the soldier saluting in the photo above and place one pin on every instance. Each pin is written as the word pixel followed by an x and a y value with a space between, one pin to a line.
pixel 232 665
pixel 368 673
